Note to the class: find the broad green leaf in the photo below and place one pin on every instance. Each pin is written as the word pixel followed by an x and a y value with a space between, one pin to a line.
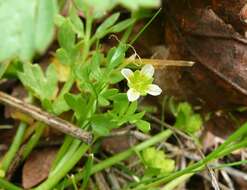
pixel 26 27
pixel 44 24
pixel 42 86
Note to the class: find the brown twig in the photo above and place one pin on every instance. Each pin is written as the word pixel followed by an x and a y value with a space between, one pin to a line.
pixel 40 115
pixel 100 181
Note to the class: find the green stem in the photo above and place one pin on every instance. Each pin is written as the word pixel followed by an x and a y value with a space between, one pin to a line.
pixel 62 151
pixel 126 34
pixel 173 184
pixel 124 155
pixel 8 186
pixel 72 149
pixel 87 44
pixel 9 156
pixel 33 140
pixel 56 177
pixel 232 148
pixel 219 152
pixel 68 139
pixel 145 27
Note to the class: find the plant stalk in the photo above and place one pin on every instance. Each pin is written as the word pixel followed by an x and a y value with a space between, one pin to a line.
pixel 123 155
pixel 9 156
pixel 59 175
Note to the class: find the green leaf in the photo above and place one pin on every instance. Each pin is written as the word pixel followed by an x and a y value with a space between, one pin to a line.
pixel 2 173
pixel 44 25
pixel 194 124
pixel 137 4
pixel 3 67
pixel 99 8
pixel 60 105
pixel 102 30
pixel 132 108
pixel 136 117
pixel 95 66
pixel 142 125
pixel 66 36
pixel 77 24
pixel 105 95
pixel 59 20
pixel 109 92
pixel 87 171
pixel 42 86
pixel 116 56
pixel 102 124
pixel 14 67
pixel 47 105
pixel 119 97
pixel 63 56
pixel 122 25
pixel 187 120
pixel 120 107
pixel 77 103
pixel 30 29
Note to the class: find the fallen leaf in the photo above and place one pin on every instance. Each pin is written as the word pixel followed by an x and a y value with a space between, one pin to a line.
pixel 37 166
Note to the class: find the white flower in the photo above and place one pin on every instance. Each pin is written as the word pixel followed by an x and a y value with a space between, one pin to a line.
pixel 140 82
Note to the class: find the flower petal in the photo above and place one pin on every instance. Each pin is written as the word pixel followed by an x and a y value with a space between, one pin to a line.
pixel 133 95
pixel 148 70
pixel 126 73
pixel 154 90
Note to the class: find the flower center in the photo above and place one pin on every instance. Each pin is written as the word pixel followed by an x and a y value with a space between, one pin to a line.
pixel 140 82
